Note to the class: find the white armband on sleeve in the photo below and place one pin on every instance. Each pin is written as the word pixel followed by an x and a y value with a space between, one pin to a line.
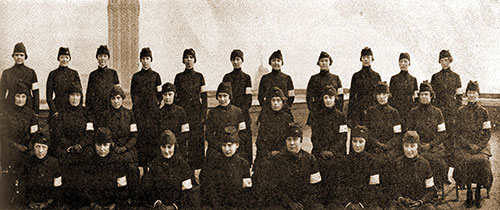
pixel 441 127
pixel 34 86
pixel 248 91
pixel 242 126
pixel 487 125
pixel 133 127
pixel 121 181
pixel 185 128
pixel 374 179
pixel 343 128
pixel 291 93
pixel 90 126
pixel 117 85
pixel 158 88
pixel 397 128
pixel 202 89
pixel 340 91
pixel 187 185
pixel 247 182
pixel 429 182
pixel 315 178
pixel 459 91
pixel 58 181
pixel 346 96
pixel 33 128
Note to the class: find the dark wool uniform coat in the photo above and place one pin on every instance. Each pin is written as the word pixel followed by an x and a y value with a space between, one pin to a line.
pixel 169 180
pixel 414 179
pixel 105 179
pixel 275 79
pixel 174 118
pixel 225 182
pixel 42 179
pixel 219 118
pixel 97 98
pixel 403 88
pixel 296 178
pixel 241 97
pixel 445 83
pixel 361 94
pixel 384 125
pixel 8 81
pixel 18 125
pixel 428 121
pixel 315 88
pixel 72 127
pixel 329 131
pixel 59 83
pixel 474 128
pixel 192 97
pixel 121 123
pixel 272 131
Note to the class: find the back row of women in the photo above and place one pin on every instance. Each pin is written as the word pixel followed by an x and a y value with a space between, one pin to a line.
pixel 404 140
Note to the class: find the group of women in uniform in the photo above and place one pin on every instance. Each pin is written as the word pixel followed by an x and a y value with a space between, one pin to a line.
pixel 396 146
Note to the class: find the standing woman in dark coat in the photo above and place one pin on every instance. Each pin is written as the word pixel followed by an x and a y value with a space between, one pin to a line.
pixel 404 90
pixel 473 150
pixel 145 90
pixel 362 92
pixel 71 131
pixel 192 96
pixel 59 83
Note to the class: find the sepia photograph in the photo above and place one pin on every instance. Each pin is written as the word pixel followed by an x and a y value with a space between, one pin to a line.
pixel 228 104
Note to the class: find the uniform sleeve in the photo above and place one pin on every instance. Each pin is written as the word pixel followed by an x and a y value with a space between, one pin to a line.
pixel 310 94
pixel 133 132
pixel 3 91
pixel 262 91
pixel 291 92
pixel 441 129
pixel 134 91
pixel 353 100
pixel 116 80
pixel 397 130
pixel 204 101
pixel 178 90
pixel 211 126
pixel 158 88
pixel 486 129
pixel 50 92
pixel 458 97
pixel 430 189
pixel 90 95
pixel 248 93
pixel 59 134
pixel 36 93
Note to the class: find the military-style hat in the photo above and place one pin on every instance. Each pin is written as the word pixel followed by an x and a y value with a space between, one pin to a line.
pixel 75 87
pixel 230 135
pixel 116 90
pixel 63 51
pixel 329 90
pixel 472 86
pixel 167 87
pixel 404 56
pixel 103 49
pixel 187 52
pixel 360 131
pixel 366 51
pixel 167 137
pixel 236 53
pixel 324 54
pixel 146 52
pixel 294 130
pixel 445 54
pixel 411 137
pixel 276 54
pixel 19 48
pixel 426 86
pixel 382 87
pixel 277 92
pixel 225 87
pixel 41 138
pixel 103 135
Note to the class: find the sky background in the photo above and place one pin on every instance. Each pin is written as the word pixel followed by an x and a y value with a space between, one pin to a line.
pixel 470 29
